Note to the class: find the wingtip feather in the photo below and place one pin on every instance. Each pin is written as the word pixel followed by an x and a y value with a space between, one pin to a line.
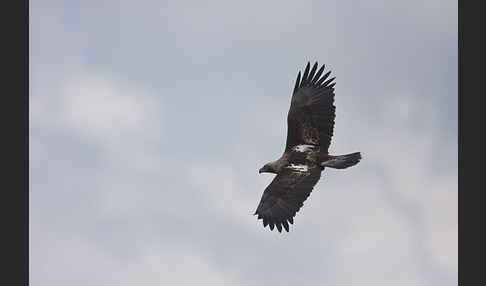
pixel 306 73
pixel 286 226
pixel 312 72
pixel 297 82
pixel 323 78
pixel 318 74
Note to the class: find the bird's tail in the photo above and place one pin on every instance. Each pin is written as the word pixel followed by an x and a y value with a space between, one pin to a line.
pixel 341 161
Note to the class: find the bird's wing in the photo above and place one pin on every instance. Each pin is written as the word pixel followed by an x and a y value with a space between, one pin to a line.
pixel 286 194
pixel 311 115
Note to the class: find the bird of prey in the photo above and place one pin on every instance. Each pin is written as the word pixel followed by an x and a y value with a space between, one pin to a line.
pixel 310 123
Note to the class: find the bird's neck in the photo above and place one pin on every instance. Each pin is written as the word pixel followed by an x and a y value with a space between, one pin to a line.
pixel 280 163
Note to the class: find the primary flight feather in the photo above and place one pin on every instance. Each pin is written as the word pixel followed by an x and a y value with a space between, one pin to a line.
pixel 310 128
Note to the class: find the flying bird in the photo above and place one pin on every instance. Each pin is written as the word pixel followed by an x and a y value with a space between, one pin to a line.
pixel 310 123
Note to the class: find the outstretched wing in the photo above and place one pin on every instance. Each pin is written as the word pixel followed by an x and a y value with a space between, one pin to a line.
pixel 286 194
pixel 311 115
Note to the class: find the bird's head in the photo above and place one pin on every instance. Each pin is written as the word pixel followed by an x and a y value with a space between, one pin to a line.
pixel 267 168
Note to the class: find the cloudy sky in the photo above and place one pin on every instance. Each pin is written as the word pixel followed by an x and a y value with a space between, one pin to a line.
pixel 149 121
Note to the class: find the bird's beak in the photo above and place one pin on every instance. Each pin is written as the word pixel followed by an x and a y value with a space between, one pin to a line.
pixel 260 171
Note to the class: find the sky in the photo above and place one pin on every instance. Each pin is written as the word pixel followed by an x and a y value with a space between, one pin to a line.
pixel 149 120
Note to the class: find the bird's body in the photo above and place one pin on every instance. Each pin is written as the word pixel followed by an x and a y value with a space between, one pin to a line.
pixel 310 123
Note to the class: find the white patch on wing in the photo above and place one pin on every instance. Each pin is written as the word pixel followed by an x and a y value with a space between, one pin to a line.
pixel 300 168
pixel 302 148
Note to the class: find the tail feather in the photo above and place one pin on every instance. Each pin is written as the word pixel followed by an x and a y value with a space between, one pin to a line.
pixel 341 161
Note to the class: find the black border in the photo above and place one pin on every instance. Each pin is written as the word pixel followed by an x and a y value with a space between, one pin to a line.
pixel 15 115
pixel 471 145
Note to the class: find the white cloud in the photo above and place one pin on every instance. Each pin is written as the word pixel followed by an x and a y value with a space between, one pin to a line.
pixel 102 108
pixel 68 259
pixel 223 194
pixel 123 119
pixel 441 220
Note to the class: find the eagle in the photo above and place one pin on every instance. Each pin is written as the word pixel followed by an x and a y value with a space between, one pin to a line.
pixel 310 125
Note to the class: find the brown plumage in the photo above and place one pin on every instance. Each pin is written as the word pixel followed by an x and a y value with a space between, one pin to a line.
pixel 310 122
